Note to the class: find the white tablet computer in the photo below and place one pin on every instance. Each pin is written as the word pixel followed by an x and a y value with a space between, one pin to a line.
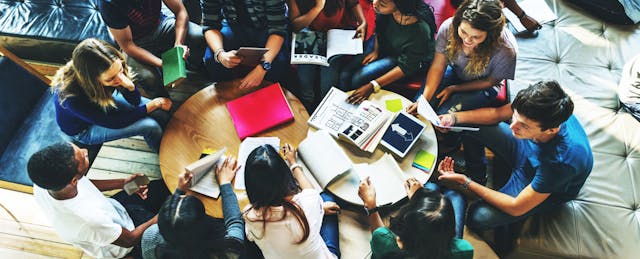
pixel 404 132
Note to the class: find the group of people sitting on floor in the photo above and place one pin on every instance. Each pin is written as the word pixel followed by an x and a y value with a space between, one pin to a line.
pixel 99 100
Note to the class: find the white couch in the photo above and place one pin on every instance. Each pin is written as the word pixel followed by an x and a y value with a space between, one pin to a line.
pixel 587 56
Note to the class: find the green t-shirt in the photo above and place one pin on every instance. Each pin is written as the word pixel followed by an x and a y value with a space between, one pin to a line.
pixel 384 241
pixel 412 45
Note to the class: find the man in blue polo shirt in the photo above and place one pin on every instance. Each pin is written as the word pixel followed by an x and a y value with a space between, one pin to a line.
pixel 545 146
pixel 143 33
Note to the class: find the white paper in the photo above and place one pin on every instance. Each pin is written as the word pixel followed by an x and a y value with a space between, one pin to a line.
pixel 333 112
pixel 425 110
pixel 205 183
pixel 248 145
pixel 199 168
pixel 323 157
pixel 537 9
pixel 386 177
pixel 341 42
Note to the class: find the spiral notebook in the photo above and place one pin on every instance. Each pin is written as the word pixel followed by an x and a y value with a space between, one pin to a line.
pixel 259 111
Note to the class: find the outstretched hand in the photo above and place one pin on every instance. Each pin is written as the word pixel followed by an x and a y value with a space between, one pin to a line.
pixel 227 171
pixel 411 185
pixel 445 168
pixel 367 193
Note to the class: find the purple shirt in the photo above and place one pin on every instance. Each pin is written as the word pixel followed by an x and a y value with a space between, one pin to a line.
pixel 503 60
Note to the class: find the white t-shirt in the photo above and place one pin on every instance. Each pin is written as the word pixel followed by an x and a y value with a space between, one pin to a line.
pixel 89 221
pixel 278 240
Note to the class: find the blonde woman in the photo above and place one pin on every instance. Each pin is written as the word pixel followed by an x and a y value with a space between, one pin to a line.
pixel 98 102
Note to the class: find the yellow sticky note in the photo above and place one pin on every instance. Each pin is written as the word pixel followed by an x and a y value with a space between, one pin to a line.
pixel 424 159
pixel 394 105
pixel 209 151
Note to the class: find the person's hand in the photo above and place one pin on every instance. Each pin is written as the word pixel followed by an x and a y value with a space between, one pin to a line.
pixel 445 168
pixel 448 119
pixel 229 59
pixel 367 193
pixel 125 82
pixel 330 208
pixel 370 57
pixel 412 185
pixel 445 94
pixel 254 78
pixel 143 189
pixel 361 31
pixel 289 153
pixel 530 23
pixel 165 103
pixel 227 171
pixel 159 103
pixel 413 109
pixel 184 180
pixel 186 53
pixel 361 94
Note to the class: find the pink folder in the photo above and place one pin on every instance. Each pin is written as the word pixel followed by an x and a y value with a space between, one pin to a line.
pixel 259 111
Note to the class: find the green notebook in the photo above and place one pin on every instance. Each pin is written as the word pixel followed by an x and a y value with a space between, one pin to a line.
pixel 174 69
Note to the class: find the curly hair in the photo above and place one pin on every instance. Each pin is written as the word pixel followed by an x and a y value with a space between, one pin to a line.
pixel 485 15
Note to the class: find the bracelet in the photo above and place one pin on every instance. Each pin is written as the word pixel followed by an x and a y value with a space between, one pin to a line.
pixel 376 86
pixel 370 211
pixel 466 183
pixel 522 15
pixel 294 166
pixel 216 53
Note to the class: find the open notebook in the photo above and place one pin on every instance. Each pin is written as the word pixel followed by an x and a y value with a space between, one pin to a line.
pixel 204 177
pixel 325 164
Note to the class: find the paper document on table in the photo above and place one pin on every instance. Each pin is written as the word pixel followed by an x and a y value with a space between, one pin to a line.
pixel 386 176
pixel 425 110
pixel 536 9
pixel 322 156
pixel 248 145
pixel 203 171
pixel 333 112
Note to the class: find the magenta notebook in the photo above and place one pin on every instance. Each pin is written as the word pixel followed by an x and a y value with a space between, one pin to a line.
pixel 259 111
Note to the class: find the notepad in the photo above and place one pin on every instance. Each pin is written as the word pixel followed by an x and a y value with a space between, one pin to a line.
pixel 259 111
pixel 394 105
pixel 174 69
pixel 424 160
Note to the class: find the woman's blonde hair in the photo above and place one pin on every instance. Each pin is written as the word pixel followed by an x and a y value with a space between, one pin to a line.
pixel 89 60
pixel 485 15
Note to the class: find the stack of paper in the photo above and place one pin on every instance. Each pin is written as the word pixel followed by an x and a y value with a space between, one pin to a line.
pixel 424 160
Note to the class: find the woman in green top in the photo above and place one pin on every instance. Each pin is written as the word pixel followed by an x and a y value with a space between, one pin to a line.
pixel 403 46
pixel 424 228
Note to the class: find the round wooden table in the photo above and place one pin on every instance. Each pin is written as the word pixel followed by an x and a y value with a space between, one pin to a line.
pixel 347 189
pixel 203 121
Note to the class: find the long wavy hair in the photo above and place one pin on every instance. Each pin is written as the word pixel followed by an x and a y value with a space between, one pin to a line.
pixel 426 226
pixel 485 15
pixel 269 181
pixel 79 76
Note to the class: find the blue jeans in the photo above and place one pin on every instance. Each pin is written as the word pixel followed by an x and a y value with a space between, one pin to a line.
pixel 458 203
pixel 329 228
pixel 460 101
pixel 483 216
pixel 146 127
pixel 316 81
pixel 240 35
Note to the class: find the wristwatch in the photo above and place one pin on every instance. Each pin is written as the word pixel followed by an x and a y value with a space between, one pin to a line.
pixel 466 183
pixel 266 65
pixel 370 211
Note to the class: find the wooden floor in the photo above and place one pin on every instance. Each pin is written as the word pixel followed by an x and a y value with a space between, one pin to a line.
pixel 26 233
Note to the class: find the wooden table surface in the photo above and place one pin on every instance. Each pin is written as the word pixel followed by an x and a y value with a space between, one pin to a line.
pixel 348 189
pixel 203 121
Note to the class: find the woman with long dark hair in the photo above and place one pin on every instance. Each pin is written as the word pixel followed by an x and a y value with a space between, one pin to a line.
pixel 285 218
pixel 424 228
pixel 403 46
